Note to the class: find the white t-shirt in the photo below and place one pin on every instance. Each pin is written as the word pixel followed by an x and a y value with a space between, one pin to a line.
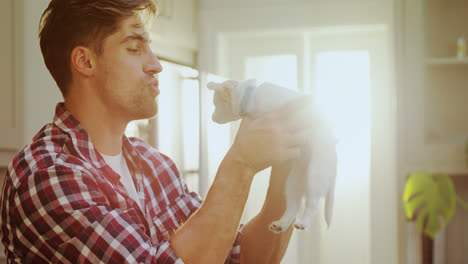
pixel 119 165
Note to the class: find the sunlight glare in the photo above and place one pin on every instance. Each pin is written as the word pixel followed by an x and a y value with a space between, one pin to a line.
pixel 343 94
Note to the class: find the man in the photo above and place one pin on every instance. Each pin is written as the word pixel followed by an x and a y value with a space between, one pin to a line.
pixel 82 192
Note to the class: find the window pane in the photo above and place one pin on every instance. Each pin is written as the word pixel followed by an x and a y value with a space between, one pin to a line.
pixel 343 93
pixel 168 128
pixel 139 129
pixel 192 181
pixel 191 124
pixel 178 115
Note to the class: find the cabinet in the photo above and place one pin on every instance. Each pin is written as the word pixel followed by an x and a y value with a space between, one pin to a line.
pixel 435 94
pixel 175 31
pixel 446 76
pixel 11 134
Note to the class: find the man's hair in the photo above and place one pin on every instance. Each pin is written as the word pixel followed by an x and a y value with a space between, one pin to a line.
pixel 66 24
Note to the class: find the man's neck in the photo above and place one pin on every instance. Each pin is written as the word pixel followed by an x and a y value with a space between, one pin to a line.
pixel 104 128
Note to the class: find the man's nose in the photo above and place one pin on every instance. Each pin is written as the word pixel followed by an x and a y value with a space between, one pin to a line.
pixel 153 66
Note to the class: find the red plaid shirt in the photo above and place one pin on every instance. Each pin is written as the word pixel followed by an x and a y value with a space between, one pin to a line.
pixel 61 203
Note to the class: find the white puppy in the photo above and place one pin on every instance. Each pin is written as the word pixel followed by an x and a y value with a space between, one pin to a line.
pixel 313 175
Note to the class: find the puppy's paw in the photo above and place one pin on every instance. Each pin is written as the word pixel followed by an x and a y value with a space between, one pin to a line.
pixel 275 228
pixel 300 225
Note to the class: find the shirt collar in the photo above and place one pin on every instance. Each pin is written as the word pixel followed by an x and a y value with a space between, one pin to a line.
pixel 66 121
pixel 82 143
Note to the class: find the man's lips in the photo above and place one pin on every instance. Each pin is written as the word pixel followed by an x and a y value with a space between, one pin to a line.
pixel 154 86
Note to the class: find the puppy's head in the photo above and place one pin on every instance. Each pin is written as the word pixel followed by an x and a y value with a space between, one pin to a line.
pixel 222 100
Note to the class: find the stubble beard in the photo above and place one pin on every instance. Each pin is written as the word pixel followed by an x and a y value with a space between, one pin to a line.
pixel 133 105
pixel 144 104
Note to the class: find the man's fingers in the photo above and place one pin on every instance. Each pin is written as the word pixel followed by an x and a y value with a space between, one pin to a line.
pixel 291 154
pixel 304 119
pixel 299 138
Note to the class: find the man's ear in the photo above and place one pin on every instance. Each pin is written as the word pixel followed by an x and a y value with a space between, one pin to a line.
pixel 83 60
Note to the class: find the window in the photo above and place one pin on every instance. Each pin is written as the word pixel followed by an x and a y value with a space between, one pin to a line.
pixel 336 66
pixel 342 91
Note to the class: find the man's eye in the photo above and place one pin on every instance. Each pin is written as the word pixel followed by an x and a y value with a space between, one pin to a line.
pixel 133 50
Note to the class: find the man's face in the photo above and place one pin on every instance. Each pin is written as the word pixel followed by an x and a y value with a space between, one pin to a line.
pixel 125 72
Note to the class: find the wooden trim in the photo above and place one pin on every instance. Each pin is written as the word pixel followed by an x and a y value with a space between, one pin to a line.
pixel 427 245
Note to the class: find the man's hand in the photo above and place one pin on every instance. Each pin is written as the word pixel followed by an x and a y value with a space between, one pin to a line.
pixel 273 138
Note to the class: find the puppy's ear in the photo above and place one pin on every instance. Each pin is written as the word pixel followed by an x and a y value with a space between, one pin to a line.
pixel 213 86
pixel 224 86
pixel 229 84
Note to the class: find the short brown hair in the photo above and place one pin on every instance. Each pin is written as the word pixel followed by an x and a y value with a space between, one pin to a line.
pixel 66 24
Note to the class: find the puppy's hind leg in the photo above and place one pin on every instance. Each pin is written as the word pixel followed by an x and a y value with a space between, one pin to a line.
pixel 310 210
pixel 293 200
pixel 311 205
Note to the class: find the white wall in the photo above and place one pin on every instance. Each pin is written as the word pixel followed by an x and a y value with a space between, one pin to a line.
pixel 337 5
pixel 175 31
pixel 41 93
